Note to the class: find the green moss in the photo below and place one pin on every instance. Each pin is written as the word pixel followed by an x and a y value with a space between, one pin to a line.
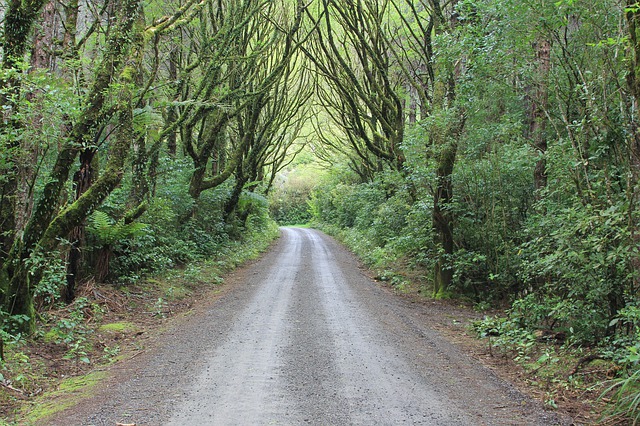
pixel 70 392
pixel 128 73
pixel 119 327
pixel 52 336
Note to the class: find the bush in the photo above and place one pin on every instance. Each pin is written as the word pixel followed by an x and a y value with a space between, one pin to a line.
pixel 492 201
pixel 289 198
pixel 178 229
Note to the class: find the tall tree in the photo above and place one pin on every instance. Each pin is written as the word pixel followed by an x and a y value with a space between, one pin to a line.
pixel 250 55
pixel 421 47
pixel 632 12
pixel 18 23
pixel 350 51
pixel 45 227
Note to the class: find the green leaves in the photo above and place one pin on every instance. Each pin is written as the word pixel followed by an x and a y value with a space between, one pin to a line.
pixel 633 8
pixel 108 231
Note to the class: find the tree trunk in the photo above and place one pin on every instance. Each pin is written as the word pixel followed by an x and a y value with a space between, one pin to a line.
pixel 172 115
pixel 82 181
pixel 19 19
pixel 443 220
pixel 139 185
pixel 43 41
pixel 633 81
pixel 537 118
pixel 232 202
pixel 16 281
pixel 102 263
pixel 412 109
pixel 445 138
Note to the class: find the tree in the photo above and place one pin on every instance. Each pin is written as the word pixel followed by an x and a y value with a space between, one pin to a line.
pixel 350 51
pixel 18 22
pixel 45 227
pixel 250 56
pixel 269 128
pixel 426 57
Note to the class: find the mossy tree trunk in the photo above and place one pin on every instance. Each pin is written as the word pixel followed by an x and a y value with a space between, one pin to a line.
pixel 444 140
pixel 443 218
pixel 633 82
pixel 43 229
pixel 82 181
pixel 19 18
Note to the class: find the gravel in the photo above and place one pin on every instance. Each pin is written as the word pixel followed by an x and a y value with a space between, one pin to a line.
pixel 300 337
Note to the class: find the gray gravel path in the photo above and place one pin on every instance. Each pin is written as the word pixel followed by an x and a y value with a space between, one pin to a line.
pixel 304 337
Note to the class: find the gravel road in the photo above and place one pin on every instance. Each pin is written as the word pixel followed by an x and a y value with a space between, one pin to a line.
pixel 303 336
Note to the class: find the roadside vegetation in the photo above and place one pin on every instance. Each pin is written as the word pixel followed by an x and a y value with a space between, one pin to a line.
pixel 66 357
pixel 512 182
pixel 485 151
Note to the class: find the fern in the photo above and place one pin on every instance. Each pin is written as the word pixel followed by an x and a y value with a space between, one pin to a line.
pixel 108 231
pixel 146 118
pixel 250 199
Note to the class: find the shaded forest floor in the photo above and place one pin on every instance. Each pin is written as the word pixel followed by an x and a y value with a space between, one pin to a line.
pixel 108 324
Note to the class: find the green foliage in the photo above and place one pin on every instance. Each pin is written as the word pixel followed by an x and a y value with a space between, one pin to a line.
pixel 561 251
pixel 108 231
pixel 626 394
pixel 508 334
pixel 376 219
pixel 580 253
pixel 11 326
pixel 492 195
pixel 52 270
pixel 71 330
pixel 624 348
pixel 147 120
pixel 564 255
pixel 177 230
pixel 289 199
pixel 255 207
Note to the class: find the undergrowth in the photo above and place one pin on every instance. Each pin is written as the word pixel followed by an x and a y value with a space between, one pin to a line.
pixel 560 363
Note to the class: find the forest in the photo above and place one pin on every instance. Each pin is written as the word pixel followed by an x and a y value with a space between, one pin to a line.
pixel 486 151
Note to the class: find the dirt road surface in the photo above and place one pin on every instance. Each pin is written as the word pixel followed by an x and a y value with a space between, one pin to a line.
pixel 301 337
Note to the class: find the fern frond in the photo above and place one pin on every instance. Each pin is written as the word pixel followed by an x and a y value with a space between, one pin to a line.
pixel 146 117
pixel 107 231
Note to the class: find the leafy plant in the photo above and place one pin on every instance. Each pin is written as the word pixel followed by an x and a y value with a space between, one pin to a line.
pixel 108 231
pixel 52 270
pixel 626 396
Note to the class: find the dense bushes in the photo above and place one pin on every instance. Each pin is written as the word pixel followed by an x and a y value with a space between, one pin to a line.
pixel 288 199
pixel 567 263
pixel 545 180
pixel 174 230
pixel 391 217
